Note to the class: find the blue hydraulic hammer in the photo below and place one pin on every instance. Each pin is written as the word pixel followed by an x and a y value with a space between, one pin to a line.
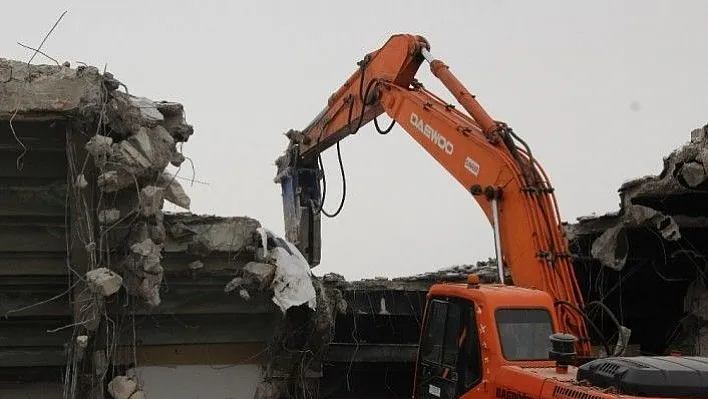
pixel 300 185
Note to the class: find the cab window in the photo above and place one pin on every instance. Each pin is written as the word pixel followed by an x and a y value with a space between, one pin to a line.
pixel 524 333
pixel 450 362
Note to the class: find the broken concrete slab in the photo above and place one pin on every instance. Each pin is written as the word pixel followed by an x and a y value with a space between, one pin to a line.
pixel 611 247
pixel 693 173
pixel 641 201
pixel 103 281
pixel 173 190
pixel 258 275
pixel 218 234
pixel 122 387
pixel 36 90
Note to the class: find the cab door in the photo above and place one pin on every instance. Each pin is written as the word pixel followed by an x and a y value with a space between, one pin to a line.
pixel 449 361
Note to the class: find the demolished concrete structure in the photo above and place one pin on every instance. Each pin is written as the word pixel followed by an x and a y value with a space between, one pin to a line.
pixel 654 244
pixel 101 287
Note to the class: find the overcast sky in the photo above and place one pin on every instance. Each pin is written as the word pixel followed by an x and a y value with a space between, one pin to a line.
pixel 601 90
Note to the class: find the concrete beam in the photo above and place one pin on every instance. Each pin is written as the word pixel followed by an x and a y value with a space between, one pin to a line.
pixel 371 353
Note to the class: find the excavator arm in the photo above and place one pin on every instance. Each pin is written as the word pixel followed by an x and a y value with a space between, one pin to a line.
pixel 482 154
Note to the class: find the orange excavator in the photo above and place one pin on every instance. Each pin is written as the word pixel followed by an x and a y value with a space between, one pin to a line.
pixel 520 338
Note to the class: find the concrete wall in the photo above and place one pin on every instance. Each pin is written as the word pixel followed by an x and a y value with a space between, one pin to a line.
pixel 199 382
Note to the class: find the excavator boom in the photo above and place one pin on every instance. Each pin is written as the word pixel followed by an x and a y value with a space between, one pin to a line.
pixel 482 154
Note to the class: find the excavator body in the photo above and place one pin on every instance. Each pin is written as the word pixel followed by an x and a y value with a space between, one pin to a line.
pixel 527 340
pixel 493 341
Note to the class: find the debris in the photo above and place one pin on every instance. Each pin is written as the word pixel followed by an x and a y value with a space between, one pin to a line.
pixel 234 284
pixel 109 182
pixel 150 200
pixel 654 236
pixel 333 277
pixel 177 159
pixel 486 270
pixel 622 341
pixel 693 173
pixel 196 265
pixel 127 114
pixel 122 387
pixel 81 344
pixel 292 284
pixel 258 275
pixel 82 341
pixel 200 246
pixel 139 394
pixel 206 234
pixel 81 181
pixel 149 252
pixel 143 271
pixel 108 216
pixel 103 281
pixel 54 89
pixel 100 148
pixel 173 190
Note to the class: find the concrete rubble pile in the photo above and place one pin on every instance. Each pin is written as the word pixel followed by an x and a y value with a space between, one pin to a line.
pixel 119 198
pixel 133 140
pixel 300 338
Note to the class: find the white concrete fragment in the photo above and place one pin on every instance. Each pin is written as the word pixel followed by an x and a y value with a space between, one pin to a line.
pixel 174 191
pixel 81 181
pixel 149 113
pixel 150 253
pixel 150 289
pixel 109 181
pixel 82 341
pixel 122 387
pixel 148 149
pixel 139 394
pixel 108 216
pixel 150 200
pixel 292 284
pixel 100 148
pixel 196 265
pixel 103 281
pixel 233 285
pixel 259 275
pixel 81 344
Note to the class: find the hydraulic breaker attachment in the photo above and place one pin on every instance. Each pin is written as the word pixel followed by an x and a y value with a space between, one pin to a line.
pixel 300 186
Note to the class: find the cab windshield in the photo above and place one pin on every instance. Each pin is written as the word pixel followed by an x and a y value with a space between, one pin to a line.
pixel 524 333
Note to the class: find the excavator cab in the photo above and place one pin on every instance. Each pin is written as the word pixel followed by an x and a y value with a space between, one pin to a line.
pixel 470 330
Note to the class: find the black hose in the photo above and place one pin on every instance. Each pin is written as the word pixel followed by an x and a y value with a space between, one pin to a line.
pixel 388 129
pixel 324 186
pixel 612 317
pixel 362 96
pixel 590 323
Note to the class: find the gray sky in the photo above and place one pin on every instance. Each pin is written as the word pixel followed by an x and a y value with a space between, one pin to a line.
pixel 601 90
